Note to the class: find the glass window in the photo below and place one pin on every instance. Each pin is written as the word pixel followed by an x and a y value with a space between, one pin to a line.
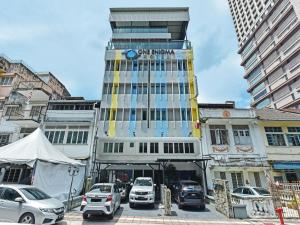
pixel 4 139
pixel 275 136
pixel 218 134
pixel 237 179
pixel 10 194
pixel 110 147
pixel 241 135
pixel 105 147
pixel 34 194
pixel 247 191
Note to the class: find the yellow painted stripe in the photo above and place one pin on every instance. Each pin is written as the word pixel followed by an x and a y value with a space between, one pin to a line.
pixel 114 96
pixel 193 99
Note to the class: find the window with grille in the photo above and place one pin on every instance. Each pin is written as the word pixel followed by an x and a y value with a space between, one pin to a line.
pixel 77 137
pixel 257 179
pixel 219 135
pixel 2 105
pixel 275 136
pixel 237 180
pixel 36 110
pixel 293 136
pixel 241 135
pixel 6 80
pixel 4 139
pixel 55 136
pixel 12 175
pixel 12 111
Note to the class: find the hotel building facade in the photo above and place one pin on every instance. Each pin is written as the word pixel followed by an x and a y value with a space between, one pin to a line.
pixel 269 44
pixel 149 115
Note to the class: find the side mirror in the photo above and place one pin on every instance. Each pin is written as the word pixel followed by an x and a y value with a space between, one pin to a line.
pixel 19 200
pixel 154 185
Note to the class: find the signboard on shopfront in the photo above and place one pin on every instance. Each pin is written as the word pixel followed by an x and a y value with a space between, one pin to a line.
pixel 134 54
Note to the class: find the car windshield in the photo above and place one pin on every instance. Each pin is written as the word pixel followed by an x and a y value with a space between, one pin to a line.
pixel 190 185
pixel 262 191
pixel 142 182
pixel 101 188
pixel 34 194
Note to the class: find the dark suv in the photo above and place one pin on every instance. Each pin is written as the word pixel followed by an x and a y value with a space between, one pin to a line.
pixel 189 193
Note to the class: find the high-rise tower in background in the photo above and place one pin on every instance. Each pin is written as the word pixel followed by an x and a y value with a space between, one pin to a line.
pixel 269 44
pixel 149 110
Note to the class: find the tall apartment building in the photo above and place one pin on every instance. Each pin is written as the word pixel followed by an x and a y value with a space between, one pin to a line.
pixel 149 116
pixel 24 95
pixel 268 35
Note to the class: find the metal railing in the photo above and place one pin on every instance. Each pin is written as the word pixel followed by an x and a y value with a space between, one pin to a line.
pixel 28 85
pixel 25 115
pixel 141 30
pixel 180 44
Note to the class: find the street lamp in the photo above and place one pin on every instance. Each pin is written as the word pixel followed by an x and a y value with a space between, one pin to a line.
pixel 73 171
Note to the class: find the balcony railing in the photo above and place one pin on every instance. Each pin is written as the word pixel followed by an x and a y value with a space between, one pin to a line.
pixel 149 45
pixel 141 30
pixel 28 85
pixel 25 115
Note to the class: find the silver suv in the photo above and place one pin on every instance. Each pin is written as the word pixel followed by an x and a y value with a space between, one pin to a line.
pixel 27 204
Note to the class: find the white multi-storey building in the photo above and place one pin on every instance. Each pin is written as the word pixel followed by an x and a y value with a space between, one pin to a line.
pixel 149 114
pixel 268 35
pixel 70 125
pixel 232 139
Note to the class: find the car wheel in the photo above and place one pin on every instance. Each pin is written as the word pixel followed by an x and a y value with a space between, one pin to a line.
pixel 27 218
pixel 202 207
pixel 152 205
pixel 111 216
pixel 131 205
pixel 85 216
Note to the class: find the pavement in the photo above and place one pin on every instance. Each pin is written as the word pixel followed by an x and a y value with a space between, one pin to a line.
pixel 144 215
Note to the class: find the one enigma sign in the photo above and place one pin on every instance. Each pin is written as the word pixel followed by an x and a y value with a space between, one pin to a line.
pixel 133 54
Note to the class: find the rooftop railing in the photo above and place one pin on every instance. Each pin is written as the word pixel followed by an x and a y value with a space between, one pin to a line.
pixel 141 30
pixel 180 44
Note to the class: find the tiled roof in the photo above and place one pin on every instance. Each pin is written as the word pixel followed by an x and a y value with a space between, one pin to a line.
pixel 275 114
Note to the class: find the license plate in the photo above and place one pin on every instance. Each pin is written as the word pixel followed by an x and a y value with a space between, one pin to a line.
pixel 141 198
pixel 193 194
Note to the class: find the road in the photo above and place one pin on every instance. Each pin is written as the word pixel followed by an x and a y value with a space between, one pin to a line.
pixel 144 215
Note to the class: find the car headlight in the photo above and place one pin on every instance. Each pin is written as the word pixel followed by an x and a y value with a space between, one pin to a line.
pixel 47 210
pixel 132 193
pixel 151 192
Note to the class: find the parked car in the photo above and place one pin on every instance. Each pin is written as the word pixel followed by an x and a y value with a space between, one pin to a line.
pixel 27 204
pixel 142 192
pixel 189 193
pixel 102 199
pixel 250 191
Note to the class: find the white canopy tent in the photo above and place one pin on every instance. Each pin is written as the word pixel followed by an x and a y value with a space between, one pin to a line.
pixel 50 166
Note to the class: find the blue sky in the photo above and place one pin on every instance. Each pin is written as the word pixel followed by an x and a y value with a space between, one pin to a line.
pixel 68 38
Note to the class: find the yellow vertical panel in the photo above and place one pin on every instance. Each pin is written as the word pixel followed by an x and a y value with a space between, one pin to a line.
pixel 114 96
pixel 193 99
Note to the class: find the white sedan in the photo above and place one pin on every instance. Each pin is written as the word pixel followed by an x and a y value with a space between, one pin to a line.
pixel 250 192
pixel 102 199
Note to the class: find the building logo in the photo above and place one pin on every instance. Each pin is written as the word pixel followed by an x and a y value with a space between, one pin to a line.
pixel 131 54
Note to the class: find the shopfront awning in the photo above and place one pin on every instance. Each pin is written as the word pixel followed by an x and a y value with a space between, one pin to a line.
pixel 286 166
